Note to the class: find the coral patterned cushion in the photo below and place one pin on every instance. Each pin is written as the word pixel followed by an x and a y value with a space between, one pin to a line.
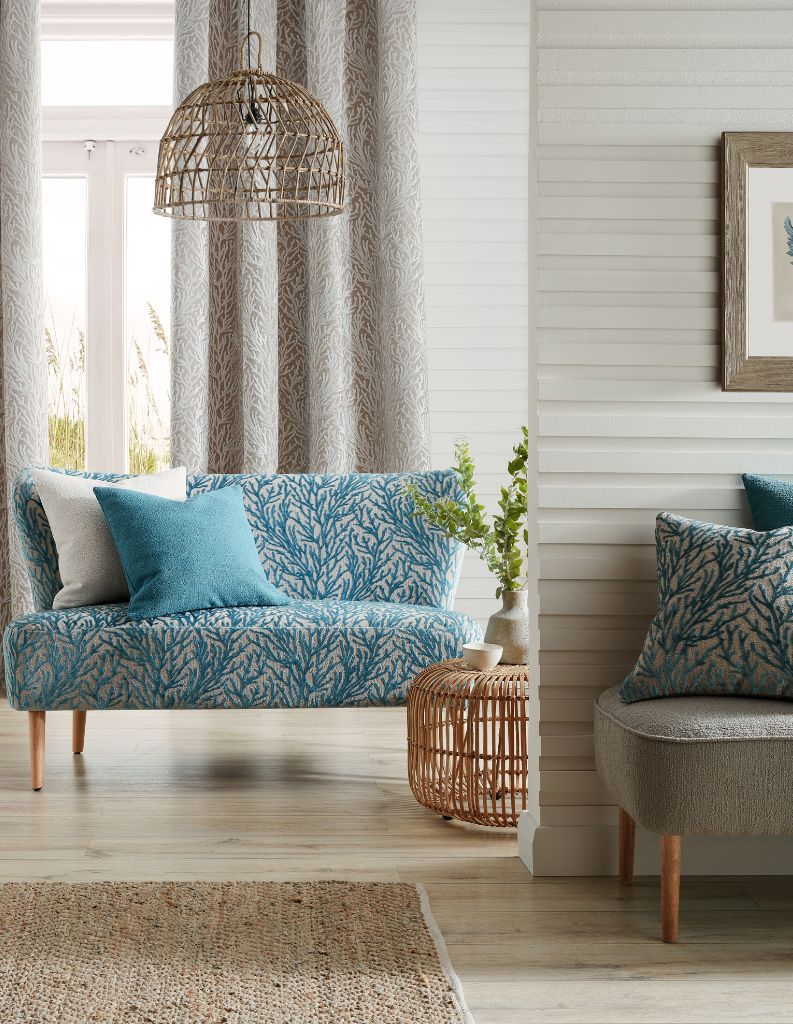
pixel 725 621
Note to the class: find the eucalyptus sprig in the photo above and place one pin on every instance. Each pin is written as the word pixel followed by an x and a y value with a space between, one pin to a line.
pixel 503 545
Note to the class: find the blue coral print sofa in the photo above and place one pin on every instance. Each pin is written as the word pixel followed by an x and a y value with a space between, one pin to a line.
pixel 372 588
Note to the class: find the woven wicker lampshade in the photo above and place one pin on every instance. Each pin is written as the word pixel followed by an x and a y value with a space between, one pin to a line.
pixel 250 146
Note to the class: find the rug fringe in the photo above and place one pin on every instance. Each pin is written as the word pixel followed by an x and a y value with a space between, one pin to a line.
pixel 443 955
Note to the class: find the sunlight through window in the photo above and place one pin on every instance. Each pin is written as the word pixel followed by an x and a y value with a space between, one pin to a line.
pixel 147 326
pixel 106 72
pixel 64 261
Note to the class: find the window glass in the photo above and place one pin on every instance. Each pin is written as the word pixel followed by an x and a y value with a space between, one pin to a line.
pixel 106 72
pixel 147 319
pixel 64 202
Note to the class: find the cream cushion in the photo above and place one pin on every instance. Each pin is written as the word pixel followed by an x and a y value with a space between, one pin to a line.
pixel 88 562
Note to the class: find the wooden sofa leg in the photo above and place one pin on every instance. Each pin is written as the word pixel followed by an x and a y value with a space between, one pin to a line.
pixel 78 731
pixel 670 887
pixel 627 845
pixel 36 721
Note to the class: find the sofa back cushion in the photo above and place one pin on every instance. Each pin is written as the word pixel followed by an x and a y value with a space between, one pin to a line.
pixel 347 537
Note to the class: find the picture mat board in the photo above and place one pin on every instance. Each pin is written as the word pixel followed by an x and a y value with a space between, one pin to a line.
pixel 767 335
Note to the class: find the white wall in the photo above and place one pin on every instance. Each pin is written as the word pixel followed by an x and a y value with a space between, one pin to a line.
pixel 632 97
pixel 473 83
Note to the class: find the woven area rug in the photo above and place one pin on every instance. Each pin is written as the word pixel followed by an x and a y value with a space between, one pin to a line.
pixel 223 953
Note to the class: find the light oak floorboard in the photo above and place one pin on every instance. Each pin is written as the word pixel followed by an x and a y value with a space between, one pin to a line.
pixel 323 794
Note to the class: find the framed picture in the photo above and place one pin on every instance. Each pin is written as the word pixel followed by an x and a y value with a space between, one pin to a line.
pixel 757 261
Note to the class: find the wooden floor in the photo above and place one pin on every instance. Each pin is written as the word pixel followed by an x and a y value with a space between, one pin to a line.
pixel 322 794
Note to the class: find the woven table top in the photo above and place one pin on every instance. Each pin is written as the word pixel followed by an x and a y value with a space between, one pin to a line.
pixel 456 673
pixel 458 666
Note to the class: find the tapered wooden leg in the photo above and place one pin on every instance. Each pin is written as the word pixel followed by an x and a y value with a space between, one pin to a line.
pixel 627 845
pixel 78 731
pixel 36 731
pixel 670 887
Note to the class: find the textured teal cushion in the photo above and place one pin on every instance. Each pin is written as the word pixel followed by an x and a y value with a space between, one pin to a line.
pixel 725 619
pixel 179 556
pixel 770 500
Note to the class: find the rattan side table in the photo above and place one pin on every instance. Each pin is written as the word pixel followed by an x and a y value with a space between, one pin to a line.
pixel 468 741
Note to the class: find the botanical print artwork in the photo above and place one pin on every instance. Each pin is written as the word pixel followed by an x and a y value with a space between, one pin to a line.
pixel 782 243
pixel 757 262
pixel 725 622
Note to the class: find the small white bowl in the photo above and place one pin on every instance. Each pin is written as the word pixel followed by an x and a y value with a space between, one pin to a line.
pixel 482 656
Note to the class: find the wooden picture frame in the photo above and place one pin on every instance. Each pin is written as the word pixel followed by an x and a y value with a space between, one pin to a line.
pixel 753 336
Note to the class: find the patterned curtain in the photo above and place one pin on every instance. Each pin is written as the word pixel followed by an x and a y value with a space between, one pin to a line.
pixel 23 380
pixel 300 346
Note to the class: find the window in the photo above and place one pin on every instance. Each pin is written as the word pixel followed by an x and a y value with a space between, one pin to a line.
pixel 107 287
pixel 106 72
pixel 106 255
pixel 65 221
pixel 147 315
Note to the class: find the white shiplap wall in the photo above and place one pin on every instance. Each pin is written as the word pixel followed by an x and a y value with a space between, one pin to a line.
pixel 473 100
pixel 632 96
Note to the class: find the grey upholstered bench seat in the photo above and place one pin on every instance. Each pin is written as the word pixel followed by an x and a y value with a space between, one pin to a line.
pixel 716 766
pixel 712 766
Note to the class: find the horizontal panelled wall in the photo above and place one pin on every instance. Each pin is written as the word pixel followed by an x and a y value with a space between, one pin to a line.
pixel 473 101
pixel 632 96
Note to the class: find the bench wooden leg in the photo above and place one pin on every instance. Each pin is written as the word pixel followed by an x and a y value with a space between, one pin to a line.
pixel 36 731
pixel 78 731
pixel 627 845
pixel 670 887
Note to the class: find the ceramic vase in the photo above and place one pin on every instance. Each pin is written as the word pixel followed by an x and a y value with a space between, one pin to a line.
pixel 509 627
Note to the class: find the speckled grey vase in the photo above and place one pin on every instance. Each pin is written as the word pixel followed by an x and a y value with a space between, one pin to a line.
pixel 509 627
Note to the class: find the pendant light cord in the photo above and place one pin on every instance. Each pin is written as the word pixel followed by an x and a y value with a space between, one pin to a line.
pixel 250 80
pixel 249 35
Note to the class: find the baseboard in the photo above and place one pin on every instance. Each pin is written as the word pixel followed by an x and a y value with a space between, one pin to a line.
pixel 568 850
pixel 592 850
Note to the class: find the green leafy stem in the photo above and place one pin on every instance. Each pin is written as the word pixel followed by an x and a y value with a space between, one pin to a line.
pixel 503 544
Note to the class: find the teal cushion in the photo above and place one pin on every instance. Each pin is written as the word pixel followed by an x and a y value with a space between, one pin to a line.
pixel 770 500
pixel 179 556
pixel 725 618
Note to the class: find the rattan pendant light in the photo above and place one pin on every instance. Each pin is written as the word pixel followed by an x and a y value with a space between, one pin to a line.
pixel 250 146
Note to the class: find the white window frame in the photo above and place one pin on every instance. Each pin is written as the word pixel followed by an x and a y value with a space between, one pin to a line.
pixel 110 19
pixel 105 169
pixel 126 141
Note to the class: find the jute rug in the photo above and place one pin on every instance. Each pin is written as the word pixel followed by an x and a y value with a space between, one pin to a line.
pixel 223 953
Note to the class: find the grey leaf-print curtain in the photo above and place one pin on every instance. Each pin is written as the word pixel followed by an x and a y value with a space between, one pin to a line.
pixel 23 382
pixel 299 346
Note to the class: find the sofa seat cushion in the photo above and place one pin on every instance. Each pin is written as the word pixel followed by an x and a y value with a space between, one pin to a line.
pixel 307 654
pixel 720 766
